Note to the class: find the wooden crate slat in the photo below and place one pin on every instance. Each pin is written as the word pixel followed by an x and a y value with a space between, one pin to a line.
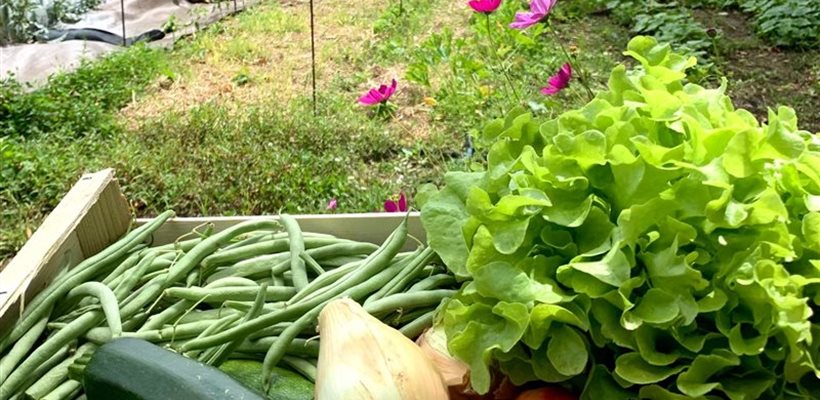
pixel 91 216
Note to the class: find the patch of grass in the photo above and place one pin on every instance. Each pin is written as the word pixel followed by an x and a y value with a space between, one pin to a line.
pixel 259 161
pixel 232 148
pixel 80 103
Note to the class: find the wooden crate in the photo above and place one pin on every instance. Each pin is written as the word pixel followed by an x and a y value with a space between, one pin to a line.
pixel 95 214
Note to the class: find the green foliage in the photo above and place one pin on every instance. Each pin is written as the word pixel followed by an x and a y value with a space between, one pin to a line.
pixel 24 20
pixel 668 22
pixel 654 243
pixel 492 69
pixel 79 103
pixel 786 22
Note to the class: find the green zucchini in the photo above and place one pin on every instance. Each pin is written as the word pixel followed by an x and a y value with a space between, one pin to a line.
pixel 286 385
pixel 133 369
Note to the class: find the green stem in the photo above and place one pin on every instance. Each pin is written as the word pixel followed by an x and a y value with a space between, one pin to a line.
pixel 582 77
pixel 498 59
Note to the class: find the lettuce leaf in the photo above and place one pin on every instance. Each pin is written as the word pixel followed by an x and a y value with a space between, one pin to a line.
pixel 655 243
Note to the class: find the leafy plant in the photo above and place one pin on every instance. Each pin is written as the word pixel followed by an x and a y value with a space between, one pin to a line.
pixel 654 243
pixel 668 22
pixel 786 22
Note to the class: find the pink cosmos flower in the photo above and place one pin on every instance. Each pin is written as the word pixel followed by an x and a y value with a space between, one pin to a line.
pixel 539 9
pixel 559 81
pixel 484 6
pixel 380 95
pixel 396 206
pixel 331 205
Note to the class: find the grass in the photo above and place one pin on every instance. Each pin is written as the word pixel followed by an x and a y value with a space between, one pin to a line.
pixel 223 124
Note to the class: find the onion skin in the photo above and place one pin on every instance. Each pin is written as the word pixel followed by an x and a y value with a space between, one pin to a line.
pixel 361 358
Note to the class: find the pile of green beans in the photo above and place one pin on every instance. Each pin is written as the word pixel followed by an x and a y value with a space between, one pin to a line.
pixel 253 290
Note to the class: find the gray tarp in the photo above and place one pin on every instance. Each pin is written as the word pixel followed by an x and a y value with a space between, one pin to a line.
pixel 35 62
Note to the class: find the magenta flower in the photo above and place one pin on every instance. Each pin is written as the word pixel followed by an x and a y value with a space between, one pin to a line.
pixel 539 9
pixel 396 206
pixel 559 81
pixel 380 95
pixel 484 6
pixel 331 205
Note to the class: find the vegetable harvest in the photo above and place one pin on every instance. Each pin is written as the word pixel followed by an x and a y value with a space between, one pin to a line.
pixel 657 243
pixel 252 291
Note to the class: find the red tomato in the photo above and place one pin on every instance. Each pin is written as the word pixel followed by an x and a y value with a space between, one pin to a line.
pixel 547 393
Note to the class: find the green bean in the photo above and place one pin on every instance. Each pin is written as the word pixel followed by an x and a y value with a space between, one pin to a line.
pixel 302 366
pixel 179 246
pixel 39 371
pixel 412 263
pixel 401 283
pixel 402 317
pixel 399 261
pixel 297 246
pixel 336 262
pixel 146 295
pixel 249 267
pixel 226 349
pixel 206 315
pixel 102 335
pixel 151 276
pixel 192 258
pixel 136 321
pixel 108 302
pixel 376 261
pixel 56 376
pixel 218 295
pixel 324 280
pixel 277 329
pixel 215 327
pixel 21 348
pixel 277 280
pixel 407 301
pixel 85 270
pixel 415 328
pixel 47 350
pixel 70 316
pixel 262 248
pixel 67 390
pixel 129 263
pixel 182 306
pixel 160 263
pixel 279 347
pixel 277 271
pixel 130 281
pixel 306 347
pixel 310 262
pixel 245 306
pixel 262 236
pixel 251 238
pixel 431 282
pixel 243 253
pixel 220 324
pixel 262 264
pixel 232 281
pixel 158 320
pixel 413 271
